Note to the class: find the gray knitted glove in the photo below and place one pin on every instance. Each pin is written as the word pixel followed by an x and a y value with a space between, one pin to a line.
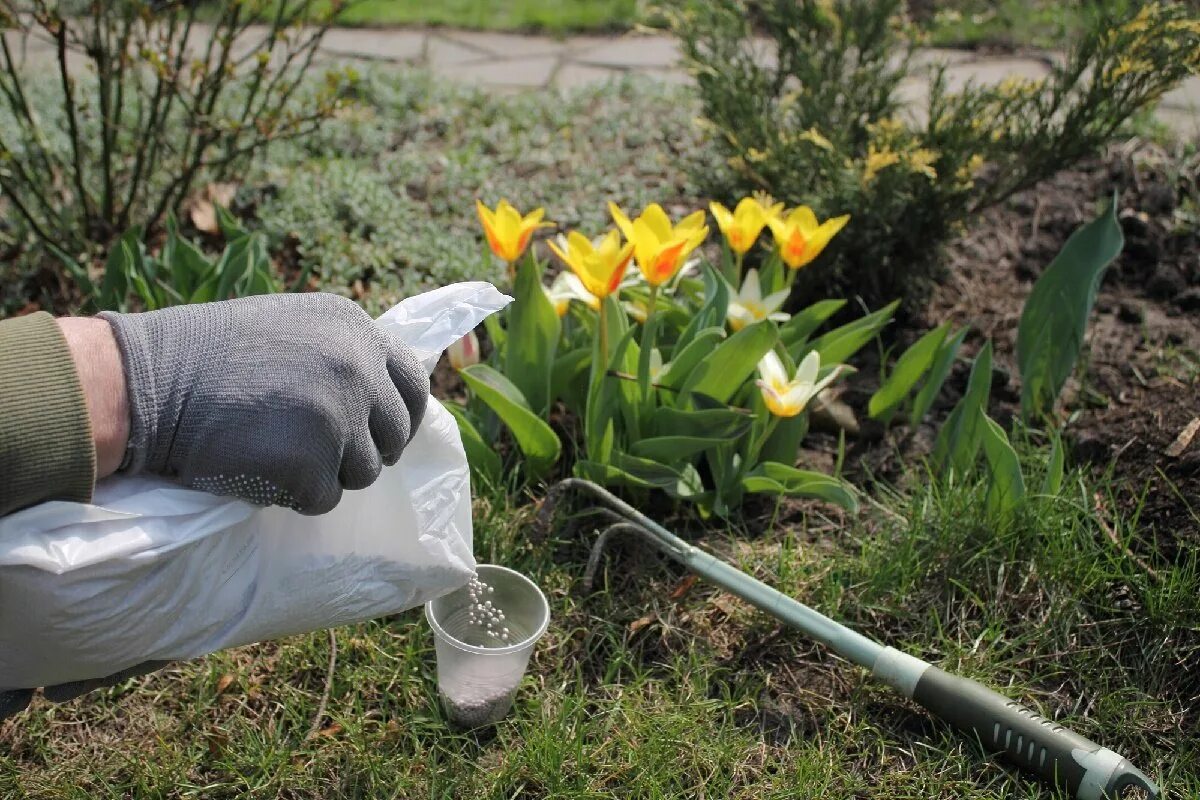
pixel 278 399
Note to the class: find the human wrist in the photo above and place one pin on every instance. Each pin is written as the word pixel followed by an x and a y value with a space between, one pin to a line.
pixel 97 359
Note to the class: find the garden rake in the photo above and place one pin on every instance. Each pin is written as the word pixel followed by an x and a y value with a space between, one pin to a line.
pixel 1088 771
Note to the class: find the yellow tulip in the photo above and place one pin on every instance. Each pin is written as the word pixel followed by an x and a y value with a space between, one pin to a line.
pixel 508 233
pixel 742 227
pixel 599 266
pixel 567 287
pixel 800 238
pixel 787 397
pixel 749 306
pixel 659 247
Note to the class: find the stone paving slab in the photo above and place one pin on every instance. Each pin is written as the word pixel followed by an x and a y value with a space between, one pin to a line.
pixel 532 72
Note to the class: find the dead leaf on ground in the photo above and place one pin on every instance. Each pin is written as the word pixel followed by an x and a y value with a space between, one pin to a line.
pixel 641 622
pixel 1184 439
pixel 224 683
pixel 203 208
pixel 330 730
pixel 684 587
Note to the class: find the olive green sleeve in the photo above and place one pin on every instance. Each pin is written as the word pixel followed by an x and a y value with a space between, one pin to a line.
pixel 46 449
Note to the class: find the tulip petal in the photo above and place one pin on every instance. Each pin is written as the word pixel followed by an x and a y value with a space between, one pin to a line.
pixel 751 289
pixel 622 221
pixel 809 367
pixel 770 367
pixel 658 221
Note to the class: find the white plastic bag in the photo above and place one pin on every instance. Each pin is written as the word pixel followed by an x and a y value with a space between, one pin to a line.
pixel 152 571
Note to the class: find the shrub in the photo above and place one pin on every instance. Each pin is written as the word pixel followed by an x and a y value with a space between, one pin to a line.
pixel 143 106
pixel 816 115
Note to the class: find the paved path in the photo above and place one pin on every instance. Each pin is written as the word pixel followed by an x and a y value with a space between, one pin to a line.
pixel 512 63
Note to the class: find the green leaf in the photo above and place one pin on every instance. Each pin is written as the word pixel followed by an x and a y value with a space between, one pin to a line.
pixel 649 338
pixel 1054 320
pixel 536 440
pixel 568 380
pixel 712 312
pixel 681 365
pixel 533 330
pixel 937 377
pixel 909 368
pixel 781 479
pixel 840 343
pixel 652 473
pixel 784 442
pixel 732 362
pixel 230 228
pixel 957 443
pixel 717 423
pixel 672 449
pixel 497 335
pixel 1006 491
pixel 801 326
pixel 237 265
pixel 481 455
pixel 124 260
pixel 186 264
pixel 1054 467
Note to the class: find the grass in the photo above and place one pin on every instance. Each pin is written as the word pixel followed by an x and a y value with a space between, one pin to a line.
pixel 542 16
pixel 646 688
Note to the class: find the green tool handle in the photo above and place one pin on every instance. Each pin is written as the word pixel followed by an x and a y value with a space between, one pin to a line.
pixel 1037 745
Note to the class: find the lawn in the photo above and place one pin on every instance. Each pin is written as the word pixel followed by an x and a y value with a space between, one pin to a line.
pixel 654 687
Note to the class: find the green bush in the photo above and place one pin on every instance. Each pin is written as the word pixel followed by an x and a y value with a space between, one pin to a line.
pixel 815 115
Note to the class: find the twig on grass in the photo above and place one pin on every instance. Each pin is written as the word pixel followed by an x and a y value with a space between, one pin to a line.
pixel 320 715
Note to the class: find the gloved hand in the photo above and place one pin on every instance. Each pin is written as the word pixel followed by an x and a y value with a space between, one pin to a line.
pixel 279 399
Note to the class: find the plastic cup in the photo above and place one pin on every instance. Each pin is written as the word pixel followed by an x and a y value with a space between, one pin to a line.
pixel 477 674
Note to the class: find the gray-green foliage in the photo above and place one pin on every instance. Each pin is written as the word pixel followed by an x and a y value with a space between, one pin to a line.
pixel 385 193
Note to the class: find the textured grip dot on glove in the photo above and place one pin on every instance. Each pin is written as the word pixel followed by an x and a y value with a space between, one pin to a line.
pixel 276 399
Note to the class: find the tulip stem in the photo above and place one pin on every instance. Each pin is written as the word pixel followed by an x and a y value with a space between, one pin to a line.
pixel 647 342
pixel 756 446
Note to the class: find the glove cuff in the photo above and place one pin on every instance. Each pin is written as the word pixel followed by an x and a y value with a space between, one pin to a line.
pixel 133 340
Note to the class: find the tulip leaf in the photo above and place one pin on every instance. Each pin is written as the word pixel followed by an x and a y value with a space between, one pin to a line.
pixel 481 456
pixel 625 469
pixel 712 312
pixel 533 330
pixel 568 380
pixel 537 441
pixel 912 364
pixel 784 442
pixel 1054 467
pixel 840 343
pixel 497 334
pixel 1006 491
pixel 797 329
pixel 672 449
pixel 780 479
pixel 685 361
pixel 1054 320
pixel 957 443
pixel 732 362
pixel 937 377
pixel 709 423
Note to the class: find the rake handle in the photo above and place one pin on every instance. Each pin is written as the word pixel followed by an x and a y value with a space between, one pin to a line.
pixel 1037 745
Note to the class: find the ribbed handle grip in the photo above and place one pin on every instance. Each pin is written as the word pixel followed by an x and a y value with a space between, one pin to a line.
pixel 1035 744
